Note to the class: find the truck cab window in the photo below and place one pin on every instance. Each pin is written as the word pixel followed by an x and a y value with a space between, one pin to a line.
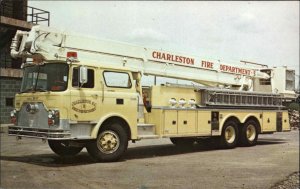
pixel 75 79
pixel 117 79
pixel 40 78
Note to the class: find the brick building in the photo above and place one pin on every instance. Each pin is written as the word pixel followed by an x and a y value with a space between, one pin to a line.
pixel 14 15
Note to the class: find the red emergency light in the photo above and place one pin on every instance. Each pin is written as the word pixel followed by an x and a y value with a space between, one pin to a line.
pixel 72 55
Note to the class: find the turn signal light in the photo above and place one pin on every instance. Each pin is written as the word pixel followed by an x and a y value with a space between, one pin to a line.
pixel 53 117
pixel 13 117
pixel 13 120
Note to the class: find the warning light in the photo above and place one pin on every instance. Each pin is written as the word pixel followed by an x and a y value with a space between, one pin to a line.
pixel 72 55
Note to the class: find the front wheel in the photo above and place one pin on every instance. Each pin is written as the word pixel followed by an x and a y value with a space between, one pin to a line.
pixel 249 133
pixel 62 149
pixel 229 135
pixel 111 143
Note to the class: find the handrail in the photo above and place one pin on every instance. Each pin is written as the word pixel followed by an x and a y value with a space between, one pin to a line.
pixel 33 15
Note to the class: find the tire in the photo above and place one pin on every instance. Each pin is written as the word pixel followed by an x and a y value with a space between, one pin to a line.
pixel 61 149
pixel 182 141
pixel 249 133
pixel 111 143
pixel 229 137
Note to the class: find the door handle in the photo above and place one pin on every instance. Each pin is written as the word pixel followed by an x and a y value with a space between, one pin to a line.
pixel 102 85
pixel 95 95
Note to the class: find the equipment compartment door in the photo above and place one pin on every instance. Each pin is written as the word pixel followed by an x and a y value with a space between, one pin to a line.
pixel 186 121
pixel 285 121
pixel 204 122
pixel 170 122
pixel 269 121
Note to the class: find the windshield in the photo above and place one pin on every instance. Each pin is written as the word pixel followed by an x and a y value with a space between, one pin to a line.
pixel 47 77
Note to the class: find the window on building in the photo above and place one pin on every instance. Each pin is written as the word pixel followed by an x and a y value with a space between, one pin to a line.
pixel 9 102
pixel 75 79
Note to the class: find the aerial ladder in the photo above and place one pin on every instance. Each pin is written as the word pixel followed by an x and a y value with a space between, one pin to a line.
pixel 46 43
pixel 51 44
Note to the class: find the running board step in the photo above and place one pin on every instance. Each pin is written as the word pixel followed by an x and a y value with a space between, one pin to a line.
pixel 146 129
pixel 148 136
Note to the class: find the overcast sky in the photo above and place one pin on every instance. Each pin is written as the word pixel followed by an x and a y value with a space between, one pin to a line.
pixel 262 32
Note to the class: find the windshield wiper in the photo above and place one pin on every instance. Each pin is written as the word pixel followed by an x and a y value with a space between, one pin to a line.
pixel 33 91
pixel 27 90
pixel 41 90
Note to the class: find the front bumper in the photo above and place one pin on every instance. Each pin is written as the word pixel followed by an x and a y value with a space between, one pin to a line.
pixel 30 132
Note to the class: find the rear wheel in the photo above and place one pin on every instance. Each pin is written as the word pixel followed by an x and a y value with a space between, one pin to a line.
pixel 111 143
pixel 249 133
pixel 229 135
pixel 61 148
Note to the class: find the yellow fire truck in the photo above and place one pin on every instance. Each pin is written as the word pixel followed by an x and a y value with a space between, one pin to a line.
pixel 82 92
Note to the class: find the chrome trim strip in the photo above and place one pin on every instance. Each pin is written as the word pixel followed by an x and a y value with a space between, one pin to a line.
pixel 39 133
pixel 38 137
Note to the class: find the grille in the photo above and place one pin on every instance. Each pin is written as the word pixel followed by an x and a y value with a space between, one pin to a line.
pixel 33 118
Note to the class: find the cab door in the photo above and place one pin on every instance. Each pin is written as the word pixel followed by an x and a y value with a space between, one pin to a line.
pixel 119 96
pixel 84 97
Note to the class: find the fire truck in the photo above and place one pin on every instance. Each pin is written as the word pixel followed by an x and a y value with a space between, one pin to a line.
pixel 79 92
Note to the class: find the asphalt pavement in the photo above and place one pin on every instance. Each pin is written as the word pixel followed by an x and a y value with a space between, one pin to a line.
pixel 29 163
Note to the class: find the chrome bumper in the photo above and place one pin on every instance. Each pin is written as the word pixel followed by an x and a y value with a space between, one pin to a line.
pixel 39 133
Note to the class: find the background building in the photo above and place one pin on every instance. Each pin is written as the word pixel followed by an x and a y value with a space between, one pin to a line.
pixel 14 15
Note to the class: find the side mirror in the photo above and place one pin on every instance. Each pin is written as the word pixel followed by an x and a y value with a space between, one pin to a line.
pixel 83 75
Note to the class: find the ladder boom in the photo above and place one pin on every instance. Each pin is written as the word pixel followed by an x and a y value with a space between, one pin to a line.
pixel 52 45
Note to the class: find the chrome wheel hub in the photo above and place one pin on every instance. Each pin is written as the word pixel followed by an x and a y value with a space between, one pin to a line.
pixel 230 134
pixel 108 142
pixel 251 132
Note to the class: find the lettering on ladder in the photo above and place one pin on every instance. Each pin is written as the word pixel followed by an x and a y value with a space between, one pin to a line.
pixel 226 68
pixel 173 58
